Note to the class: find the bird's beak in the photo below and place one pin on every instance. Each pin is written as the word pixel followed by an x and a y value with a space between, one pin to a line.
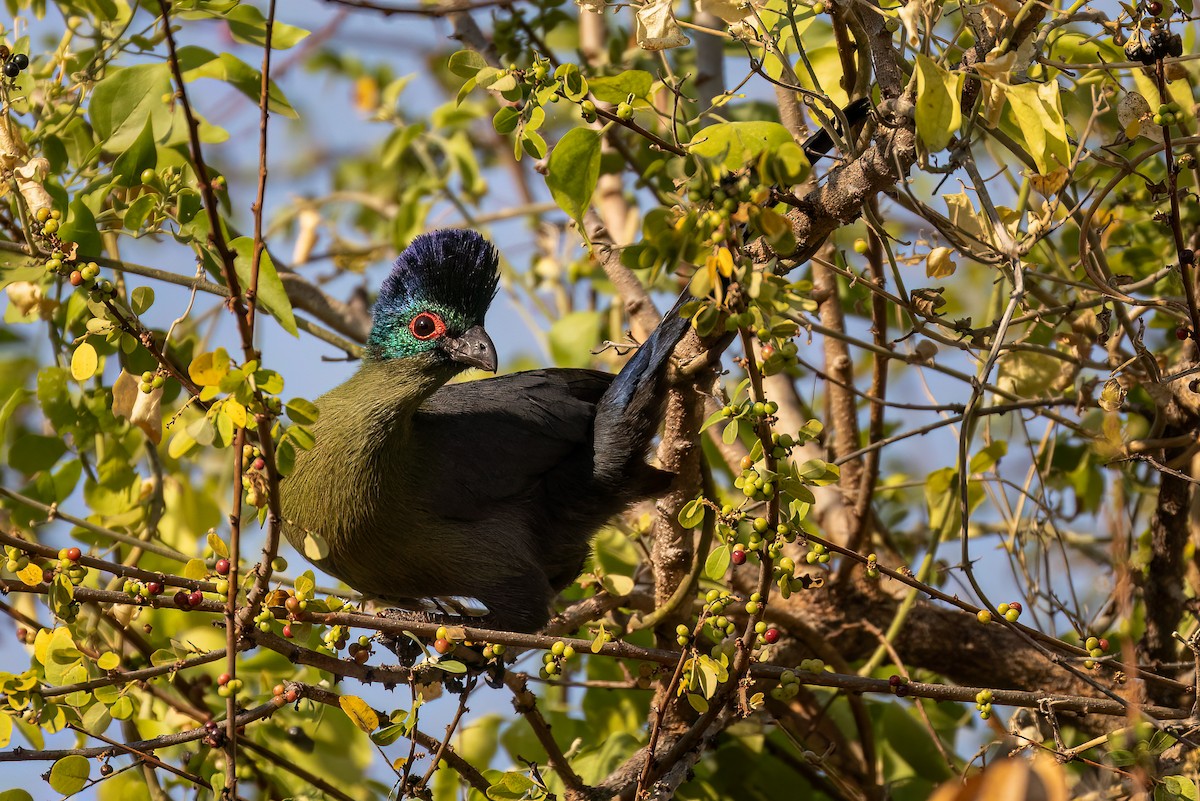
pixel 474 348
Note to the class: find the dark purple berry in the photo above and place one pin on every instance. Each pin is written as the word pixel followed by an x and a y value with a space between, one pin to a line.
pixel 21 60
pixel 182 599
pixel 1155 8
pixel 195 598
pixel 11 69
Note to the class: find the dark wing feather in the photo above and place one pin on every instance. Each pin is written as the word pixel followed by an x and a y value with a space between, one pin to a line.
pixel 500 439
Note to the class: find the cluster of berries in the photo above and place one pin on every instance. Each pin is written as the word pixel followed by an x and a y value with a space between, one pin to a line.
pixel 554 660
pixel 151 381
pixel 140 590
pixel 983 702
pixel 1095 646
pixel 1168 114
pixel 15 64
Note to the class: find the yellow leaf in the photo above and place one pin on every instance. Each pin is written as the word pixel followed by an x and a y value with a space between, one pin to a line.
pixel 360 714
pixel 208 369
pixel 84 362
pixel 31 575
pixel 195 569
pixel 939 113
pixel 108 661
pixel 939 263
pixel 236 412
pixel 725 262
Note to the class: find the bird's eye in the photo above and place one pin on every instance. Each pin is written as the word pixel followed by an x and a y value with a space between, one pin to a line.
pixel 427 325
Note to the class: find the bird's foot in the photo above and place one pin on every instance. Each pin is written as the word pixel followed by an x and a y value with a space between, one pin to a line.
pixel 407 648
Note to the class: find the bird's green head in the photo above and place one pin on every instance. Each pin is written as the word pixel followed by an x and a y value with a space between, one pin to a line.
pixel 433 303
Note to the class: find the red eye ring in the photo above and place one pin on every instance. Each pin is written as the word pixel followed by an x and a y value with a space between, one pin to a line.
pixel 427 325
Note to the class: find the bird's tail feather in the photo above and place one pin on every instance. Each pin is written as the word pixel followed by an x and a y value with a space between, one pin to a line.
pixel 627 416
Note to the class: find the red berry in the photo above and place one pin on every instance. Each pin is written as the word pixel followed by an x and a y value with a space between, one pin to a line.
pixel 260 463
pixel 1016 605
pixel 771 636
pixel 182 599
pixel 1103 644
pixel 443 646
pixel 1154 7
pixel 1182 333
pixel 292 604
pixel 287 631
pixel 223 679
pixel 895 680
pixel 222 567
pixel 195 598
pixel 291 695
pixel 154 588
pixel 768 350
pixel 73 554
pixel 738 557
pixel 76 278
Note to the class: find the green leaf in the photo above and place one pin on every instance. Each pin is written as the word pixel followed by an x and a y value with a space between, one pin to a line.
pixel 466 63
pixel 302 411
pixel 692 513
pixel 6 729
pixel 717 563
pixel 271 293
pixel 196 62
pixel 939 113
pixel 80 228
pixel 388 734
pixel 139 156
pixel 128 100
pixel 247 24
pixel 573 336
pixel 15 795
pixel 735 143
pixel 142 299
pixel 138 212
pixel 512 785
pixel 506 119
pixel 618 88
pixel 573 170
pixel 34 452
pixel 70 774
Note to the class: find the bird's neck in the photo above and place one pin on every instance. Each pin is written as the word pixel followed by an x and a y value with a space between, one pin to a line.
pixel 388 392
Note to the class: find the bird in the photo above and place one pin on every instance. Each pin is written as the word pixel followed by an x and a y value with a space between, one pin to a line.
pixel 489 489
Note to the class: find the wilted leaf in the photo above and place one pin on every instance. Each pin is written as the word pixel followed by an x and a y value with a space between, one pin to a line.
pixel 657 28
pixel 940 263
